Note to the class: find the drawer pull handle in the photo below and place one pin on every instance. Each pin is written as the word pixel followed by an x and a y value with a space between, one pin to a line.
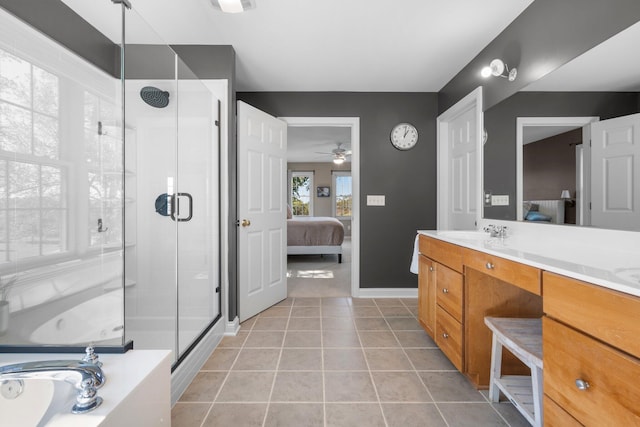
pixel 445 290
pixel 489 266
pixel 445 335
pixel 582 384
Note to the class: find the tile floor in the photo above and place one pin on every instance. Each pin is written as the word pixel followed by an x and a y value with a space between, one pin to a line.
pixel 335 361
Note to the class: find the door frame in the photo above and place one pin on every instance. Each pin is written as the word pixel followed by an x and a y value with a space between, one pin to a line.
pixel 584 163
pixel 354 124
pixel 471 100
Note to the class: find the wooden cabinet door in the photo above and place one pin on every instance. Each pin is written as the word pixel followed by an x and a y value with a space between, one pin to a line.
pixel 427 294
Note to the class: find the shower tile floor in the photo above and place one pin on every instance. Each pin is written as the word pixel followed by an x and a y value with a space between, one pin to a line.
pixel 335 361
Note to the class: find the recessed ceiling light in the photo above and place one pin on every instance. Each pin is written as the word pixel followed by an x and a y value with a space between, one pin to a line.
pixel 233 6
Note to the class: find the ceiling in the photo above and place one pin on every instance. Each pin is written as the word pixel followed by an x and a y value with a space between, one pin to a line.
pixel 328 45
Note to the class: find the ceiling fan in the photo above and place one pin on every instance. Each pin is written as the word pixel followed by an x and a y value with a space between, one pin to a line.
pixel 339 154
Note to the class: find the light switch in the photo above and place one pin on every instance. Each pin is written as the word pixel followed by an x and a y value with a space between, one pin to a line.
pixel 500 200
pixel 375 200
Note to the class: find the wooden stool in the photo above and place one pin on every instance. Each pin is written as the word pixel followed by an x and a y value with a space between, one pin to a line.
pixel 523 338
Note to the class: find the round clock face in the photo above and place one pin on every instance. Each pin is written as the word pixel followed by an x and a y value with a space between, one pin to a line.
pixel 404 136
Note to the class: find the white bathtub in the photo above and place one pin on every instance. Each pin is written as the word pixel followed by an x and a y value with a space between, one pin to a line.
pixel 94 321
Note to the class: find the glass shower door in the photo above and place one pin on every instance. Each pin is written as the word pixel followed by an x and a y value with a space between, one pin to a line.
pixel 197 208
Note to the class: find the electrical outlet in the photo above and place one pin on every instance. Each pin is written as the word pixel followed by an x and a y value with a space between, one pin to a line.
pixel 500 200
pixel 487 198
pixel 375 200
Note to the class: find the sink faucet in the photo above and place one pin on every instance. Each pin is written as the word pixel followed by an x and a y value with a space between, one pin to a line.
pixel 85 377
pixel 496 230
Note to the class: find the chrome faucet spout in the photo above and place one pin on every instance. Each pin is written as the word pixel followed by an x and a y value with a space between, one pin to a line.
pixel 496 230
pixel 84 376
pixel 71 371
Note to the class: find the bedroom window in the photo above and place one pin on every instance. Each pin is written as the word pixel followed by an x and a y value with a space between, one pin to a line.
pixel 342 201
pixel 301 192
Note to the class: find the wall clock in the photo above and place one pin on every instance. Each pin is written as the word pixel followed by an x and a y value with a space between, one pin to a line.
pixel 404 136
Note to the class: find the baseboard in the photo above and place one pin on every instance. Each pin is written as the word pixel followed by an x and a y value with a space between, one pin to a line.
pixel 232 327
pixel 184 374
pixel 387 293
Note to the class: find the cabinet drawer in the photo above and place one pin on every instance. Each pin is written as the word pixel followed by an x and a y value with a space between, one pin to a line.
pixel 444 253
pixel 555 416
pixel 449 337
pixel 523 276
pixel 449 291
pixel 612 395
pixel 605 314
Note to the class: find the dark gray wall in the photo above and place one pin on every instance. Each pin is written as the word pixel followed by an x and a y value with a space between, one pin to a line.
pixel 407 178
pixel 56 20
pixel 548 34
pixel 500 122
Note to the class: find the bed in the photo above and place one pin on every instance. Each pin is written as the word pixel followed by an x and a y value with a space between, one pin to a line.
pixel 314 236
pixel 549 211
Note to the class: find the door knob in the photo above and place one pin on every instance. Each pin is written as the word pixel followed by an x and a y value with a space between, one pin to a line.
pixel 246 223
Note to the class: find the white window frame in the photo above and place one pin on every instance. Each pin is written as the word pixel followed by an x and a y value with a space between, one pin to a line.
pixel 311 195
pixel 334 193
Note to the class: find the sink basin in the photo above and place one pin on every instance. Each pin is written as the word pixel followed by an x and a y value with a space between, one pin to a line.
pixel 36 404
pixel 464 234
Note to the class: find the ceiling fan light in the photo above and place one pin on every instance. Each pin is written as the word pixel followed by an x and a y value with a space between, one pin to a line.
pixel 338 160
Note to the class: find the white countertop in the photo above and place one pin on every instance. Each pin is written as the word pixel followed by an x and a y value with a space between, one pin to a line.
pixel 610 260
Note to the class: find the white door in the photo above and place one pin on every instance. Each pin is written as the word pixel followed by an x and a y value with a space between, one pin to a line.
pixel 459 164
pixel 615 161
pixel 262 165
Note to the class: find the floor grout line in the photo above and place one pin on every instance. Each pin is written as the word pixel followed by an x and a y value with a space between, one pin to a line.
pixel 357 328
pixel 275 375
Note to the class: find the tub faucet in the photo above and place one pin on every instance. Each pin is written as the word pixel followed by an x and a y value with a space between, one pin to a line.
pixel 85 377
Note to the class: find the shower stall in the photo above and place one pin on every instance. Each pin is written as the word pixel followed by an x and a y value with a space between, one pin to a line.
pixel 109 185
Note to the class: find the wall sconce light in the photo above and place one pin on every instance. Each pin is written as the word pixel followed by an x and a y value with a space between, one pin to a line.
pixel 233 6
pixel 498 68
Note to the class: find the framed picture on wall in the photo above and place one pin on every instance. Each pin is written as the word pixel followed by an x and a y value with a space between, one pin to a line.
pixel 324 191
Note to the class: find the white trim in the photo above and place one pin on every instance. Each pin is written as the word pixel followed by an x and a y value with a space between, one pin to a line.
pixel 232 327
pixel 521 123
pixel 354 124
pixel 388 293
pixel 472 100
pixel 189 367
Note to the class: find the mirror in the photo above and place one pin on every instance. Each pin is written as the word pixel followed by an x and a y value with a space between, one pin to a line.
pixel 556 107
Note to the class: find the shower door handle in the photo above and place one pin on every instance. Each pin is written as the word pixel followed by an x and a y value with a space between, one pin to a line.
pixel 175 207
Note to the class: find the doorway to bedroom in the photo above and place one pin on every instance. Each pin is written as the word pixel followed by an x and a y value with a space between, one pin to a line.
pixel 322 194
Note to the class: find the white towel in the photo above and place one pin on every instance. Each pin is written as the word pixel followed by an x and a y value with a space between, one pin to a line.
pixel 416 254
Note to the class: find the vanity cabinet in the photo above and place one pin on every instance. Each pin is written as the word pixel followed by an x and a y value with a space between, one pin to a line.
pixel 440 291
pixel 469 285
pixel 427 295
pixel 591 353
